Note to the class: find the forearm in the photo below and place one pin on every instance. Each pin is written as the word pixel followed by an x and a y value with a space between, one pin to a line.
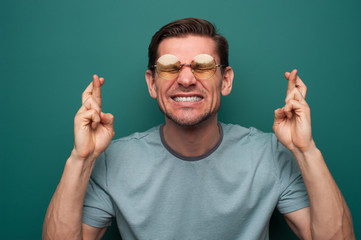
pixel 330 216
pixel 63 217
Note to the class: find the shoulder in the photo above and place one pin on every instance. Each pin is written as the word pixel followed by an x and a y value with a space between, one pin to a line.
pixel 131 144
pixel 125 155
pixel 154 131
pixel 254 143
pixel 137 139
pixel 251 135
pixel 133 148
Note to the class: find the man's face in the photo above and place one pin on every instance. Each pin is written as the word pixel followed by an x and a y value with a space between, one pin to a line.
pixel 186 100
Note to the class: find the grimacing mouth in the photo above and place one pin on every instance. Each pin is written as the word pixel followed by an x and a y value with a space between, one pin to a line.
pixel 187 98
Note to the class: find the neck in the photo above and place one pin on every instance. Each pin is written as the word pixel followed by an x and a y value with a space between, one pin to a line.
pixel 194 140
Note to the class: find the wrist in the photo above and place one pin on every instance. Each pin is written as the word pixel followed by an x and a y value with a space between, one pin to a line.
pixel 306 153
pixel 80 156
pixel 80 162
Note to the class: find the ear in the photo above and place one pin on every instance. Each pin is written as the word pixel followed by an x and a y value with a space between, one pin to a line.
pixel 151 83
pixel 227 81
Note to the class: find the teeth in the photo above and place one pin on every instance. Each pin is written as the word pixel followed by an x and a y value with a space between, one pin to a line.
pixel 187 99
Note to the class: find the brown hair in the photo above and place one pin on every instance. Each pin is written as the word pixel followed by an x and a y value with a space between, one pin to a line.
pixel 184 27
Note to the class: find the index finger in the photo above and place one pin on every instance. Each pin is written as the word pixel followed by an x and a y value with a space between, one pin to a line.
pixel 291 77
pixel 87 92
pixel 91 91
pixel 97 93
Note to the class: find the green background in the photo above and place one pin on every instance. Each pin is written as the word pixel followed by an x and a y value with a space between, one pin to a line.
pixel 49 51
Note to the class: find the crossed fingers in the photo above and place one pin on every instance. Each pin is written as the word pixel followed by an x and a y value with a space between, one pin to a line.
pixel 296 94
pixel 91 102
pixel 295 82
pixel 94 90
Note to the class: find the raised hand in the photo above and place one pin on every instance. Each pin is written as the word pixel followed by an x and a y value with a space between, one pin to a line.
pixel 93 129
pixel 292 124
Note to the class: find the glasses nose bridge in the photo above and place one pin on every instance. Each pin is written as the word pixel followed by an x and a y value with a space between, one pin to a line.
pixel 187 65
pixel 184 77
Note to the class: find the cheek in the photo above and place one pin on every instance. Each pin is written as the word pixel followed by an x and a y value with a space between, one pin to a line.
pixel 162 89
pixel 216 92
pixel 214 87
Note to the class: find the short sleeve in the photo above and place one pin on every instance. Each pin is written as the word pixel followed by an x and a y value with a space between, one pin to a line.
pixel 98 210
pixel 293 193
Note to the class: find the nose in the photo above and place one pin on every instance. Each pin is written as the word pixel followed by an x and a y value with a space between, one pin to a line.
pixel 186 77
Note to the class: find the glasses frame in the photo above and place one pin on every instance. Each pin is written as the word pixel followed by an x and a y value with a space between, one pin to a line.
pixel 190 65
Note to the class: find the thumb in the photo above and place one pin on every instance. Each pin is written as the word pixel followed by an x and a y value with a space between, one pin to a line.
pixel 287 75
pixel 279 114
pixel 107 119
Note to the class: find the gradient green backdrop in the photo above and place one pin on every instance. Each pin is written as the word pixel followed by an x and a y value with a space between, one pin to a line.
pixel 50 49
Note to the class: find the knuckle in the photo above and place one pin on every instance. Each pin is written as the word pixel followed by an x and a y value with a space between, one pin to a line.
pixel 89 99
pixel 292 101
pixel 288 99
pixel 91 103
pixel 94 111
pixel 84 96
pixel 76 118
pixel 86 101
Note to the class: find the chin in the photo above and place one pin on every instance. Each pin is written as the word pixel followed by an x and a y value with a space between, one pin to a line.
pixel 190 122
pixel 188 118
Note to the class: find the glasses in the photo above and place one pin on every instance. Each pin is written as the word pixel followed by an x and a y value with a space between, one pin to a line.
pixel 203 66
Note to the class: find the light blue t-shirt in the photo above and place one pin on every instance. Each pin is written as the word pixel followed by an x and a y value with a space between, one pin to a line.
pixel 228 193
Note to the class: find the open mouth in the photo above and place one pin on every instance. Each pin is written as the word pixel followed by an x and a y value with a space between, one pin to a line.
pixel 187 99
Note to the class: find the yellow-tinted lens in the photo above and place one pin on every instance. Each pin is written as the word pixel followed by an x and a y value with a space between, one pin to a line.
pixel 203 66
pixel 168 66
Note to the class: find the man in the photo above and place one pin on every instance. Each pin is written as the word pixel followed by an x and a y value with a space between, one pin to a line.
pixel 193 177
